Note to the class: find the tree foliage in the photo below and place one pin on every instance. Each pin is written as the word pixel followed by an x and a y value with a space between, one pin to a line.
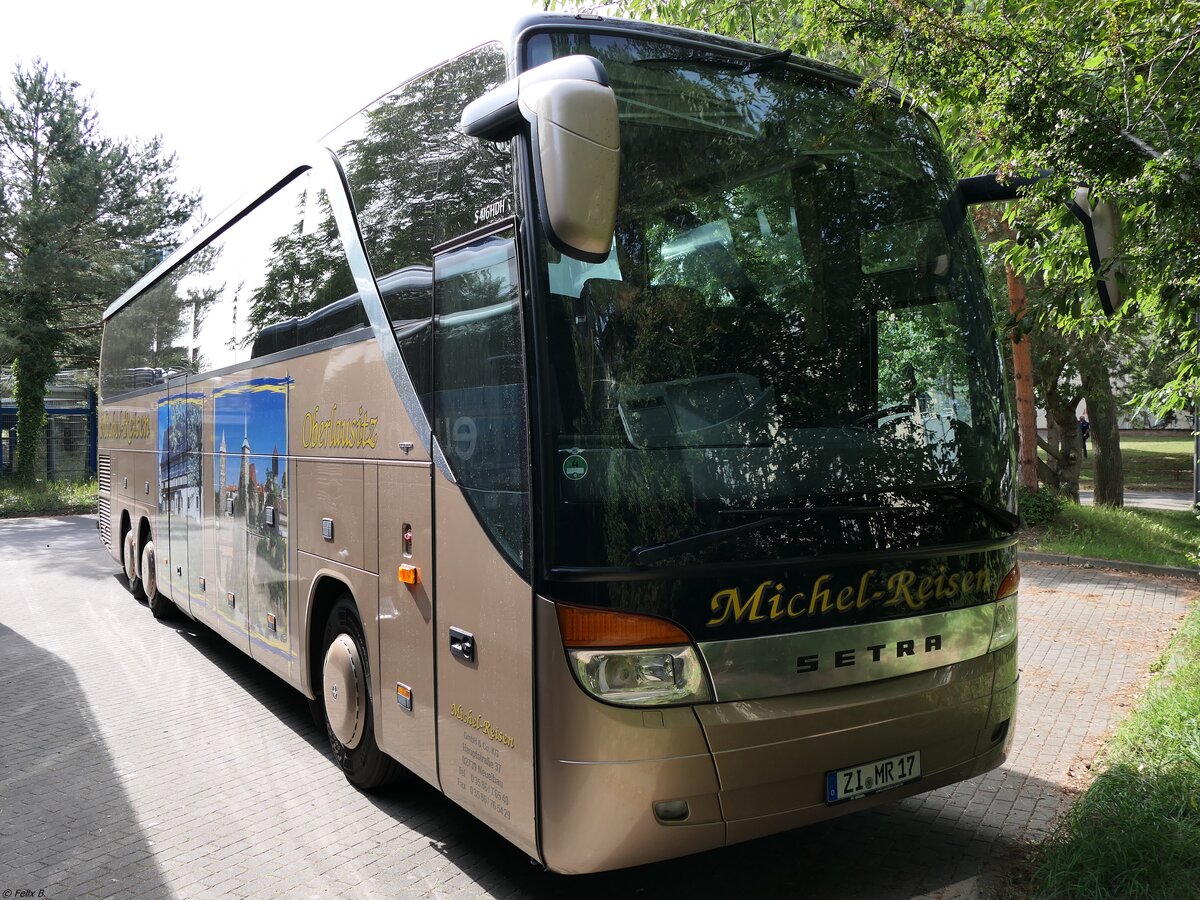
pixel 82 216
pixel 1098 91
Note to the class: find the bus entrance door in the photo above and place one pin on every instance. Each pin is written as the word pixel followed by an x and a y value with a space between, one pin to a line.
pixel 483 604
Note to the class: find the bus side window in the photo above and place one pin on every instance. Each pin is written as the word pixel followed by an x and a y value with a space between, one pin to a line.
pixel 479 385
pixel 146 342
pixel 417 181
pixel 285 274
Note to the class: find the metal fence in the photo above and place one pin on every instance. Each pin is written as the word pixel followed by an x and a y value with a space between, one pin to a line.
pixel 67 451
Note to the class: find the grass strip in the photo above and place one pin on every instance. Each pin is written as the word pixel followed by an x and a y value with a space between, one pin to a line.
pixel 1156 537
pixel 47 498
pixel 1151 463
pixel 1135 833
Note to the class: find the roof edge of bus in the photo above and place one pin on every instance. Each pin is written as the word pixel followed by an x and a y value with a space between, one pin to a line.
pixel 543 21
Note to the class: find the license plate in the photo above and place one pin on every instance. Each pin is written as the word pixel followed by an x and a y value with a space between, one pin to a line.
pixel 869 778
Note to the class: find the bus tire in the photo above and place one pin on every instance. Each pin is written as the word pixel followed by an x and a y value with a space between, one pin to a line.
pixel 346 700
pixel 130 561
pixel 160 606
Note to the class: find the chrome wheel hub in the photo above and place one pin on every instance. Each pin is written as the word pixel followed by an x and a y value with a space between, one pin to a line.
pixel 346 691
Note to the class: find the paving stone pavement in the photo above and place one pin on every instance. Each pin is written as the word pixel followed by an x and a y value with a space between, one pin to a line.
pixel 150 759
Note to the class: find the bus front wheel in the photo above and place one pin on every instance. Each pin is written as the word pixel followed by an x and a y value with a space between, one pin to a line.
pixel 129 558
pixel 160 606
pixel 346 700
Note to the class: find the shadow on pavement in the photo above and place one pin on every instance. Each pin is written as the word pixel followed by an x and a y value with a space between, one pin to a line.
pixel 66 824
pixel 887 852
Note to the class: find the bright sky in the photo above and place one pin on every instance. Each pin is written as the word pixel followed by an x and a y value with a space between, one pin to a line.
pixel 231 85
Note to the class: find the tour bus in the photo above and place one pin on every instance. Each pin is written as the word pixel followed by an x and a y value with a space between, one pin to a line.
pixel 607 427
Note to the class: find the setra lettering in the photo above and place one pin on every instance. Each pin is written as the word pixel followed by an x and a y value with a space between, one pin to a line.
pixel 849 656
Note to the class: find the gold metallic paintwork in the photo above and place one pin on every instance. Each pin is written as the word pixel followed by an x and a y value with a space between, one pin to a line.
pixel 134 459
pixel 772 754
pixel 768 757
pixel 479 593
pixel 602 768
pixel 768 666
pixel 406 619
pixel 331 490
pixel 349 377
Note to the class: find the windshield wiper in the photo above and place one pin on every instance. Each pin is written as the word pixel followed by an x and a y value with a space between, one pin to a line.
pixel 648 553
pixel 998 514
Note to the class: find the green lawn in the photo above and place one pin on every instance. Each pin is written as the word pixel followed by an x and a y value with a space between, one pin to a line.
pixel 1156 537
pixel 1136 831
pixel 1151 463
pixel 47 498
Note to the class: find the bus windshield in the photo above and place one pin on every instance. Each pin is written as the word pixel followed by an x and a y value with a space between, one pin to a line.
pixel 789 352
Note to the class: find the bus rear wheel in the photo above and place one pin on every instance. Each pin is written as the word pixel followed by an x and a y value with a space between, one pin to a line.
pixel 160 606
pixel 129 557
pixel 346 700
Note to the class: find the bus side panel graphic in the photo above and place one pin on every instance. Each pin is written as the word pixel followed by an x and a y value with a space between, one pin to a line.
pixel 180 535
pixel 251 486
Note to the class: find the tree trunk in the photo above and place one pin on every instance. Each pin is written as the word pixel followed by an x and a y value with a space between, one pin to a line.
pixel 1106 438
pixel 1062 444
pixel 1027 459
pixel 30 374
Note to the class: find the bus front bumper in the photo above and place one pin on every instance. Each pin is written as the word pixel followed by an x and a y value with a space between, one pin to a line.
pixel 749 768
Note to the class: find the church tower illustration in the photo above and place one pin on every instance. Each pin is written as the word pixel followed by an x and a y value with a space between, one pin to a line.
pixel 222 483
pixel 244 476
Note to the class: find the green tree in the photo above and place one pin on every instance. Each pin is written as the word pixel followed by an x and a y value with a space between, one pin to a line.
pixel 82 216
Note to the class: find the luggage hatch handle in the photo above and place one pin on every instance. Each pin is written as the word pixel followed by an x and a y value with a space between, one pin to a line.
pixel 462 644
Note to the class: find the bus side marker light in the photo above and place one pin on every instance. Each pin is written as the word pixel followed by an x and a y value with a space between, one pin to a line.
pixel 409 574
pixel 404 696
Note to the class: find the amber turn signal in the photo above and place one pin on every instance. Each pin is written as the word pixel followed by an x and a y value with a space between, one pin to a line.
pixel 586 627
pixel 409 574
pixel 1011 582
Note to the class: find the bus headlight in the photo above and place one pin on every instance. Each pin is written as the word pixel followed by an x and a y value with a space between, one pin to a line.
pixel 631 658
pixel 1004 625
pixel 642 675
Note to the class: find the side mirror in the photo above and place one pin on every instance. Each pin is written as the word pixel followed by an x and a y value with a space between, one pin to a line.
pixel 572 117
pixel 1102 225
pixel 989 189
